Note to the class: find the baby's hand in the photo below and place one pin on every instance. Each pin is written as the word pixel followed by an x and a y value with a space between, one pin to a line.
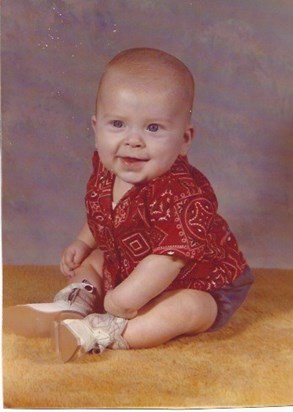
pixel 73 256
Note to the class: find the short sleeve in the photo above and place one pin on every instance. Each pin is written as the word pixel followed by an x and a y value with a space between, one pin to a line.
pixel 180 225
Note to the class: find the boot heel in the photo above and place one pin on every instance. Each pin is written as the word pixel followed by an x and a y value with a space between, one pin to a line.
pixel 54 336
pixel 67 344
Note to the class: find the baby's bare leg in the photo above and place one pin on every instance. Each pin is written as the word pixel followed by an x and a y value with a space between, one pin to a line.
pixel 173 313
pixel 91 269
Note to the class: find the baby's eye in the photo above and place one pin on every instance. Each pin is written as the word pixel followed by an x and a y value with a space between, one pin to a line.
pixel 153 127
pixel 117 123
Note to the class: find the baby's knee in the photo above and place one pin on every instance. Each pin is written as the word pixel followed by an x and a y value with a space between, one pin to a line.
pixel 94 261
pixel 200 309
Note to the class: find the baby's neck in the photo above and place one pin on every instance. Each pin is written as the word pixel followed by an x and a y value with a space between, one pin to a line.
pixel 119 189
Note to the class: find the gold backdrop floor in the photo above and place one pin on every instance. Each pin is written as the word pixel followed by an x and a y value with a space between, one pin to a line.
pixel 247 363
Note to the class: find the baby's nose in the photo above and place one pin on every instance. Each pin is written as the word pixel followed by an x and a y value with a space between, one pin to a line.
pixel 134 139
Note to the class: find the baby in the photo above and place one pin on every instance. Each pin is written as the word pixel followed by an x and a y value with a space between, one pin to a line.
pixel 154 259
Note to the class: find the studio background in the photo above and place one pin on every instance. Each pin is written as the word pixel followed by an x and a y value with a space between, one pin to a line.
pixel 53 52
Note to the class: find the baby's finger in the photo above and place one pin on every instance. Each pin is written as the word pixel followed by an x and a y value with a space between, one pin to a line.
pixel 68 259
pixel 66 271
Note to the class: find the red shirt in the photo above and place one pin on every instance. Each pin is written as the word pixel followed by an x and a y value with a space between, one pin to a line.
pixel 173 214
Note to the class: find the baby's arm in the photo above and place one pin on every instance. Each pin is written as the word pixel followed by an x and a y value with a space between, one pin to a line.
pixel 77 251
pixel 150 278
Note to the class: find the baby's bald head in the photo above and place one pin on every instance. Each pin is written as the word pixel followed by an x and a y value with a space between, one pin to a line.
pixel 147 69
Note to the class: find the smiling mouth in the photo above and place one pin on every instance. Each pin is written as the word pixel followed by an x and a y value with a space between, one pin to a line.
pixel 132 161
pixel 129 159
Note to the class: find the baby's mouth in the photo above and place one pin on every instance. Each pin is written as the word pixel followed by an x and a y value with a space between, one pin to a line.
pixel 132 161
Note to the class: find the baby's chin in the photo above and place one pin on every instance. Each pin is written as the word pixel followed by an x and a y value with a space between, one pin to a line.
pixel 135 180
pixel 132 179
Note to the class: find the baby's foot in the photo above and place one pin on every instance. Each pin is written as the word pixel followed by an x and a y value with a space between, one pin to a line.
pixel 35 320
pixel 73 338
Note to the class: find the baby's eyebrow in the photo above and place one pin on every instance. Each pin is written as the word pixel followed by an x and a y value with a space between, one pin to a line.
pixel 112 116
pixel 159 121
pixel 150 120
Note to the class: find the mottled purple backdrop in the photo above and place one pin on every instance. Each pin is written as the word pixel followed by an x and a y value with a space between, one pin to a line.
pixel 53 52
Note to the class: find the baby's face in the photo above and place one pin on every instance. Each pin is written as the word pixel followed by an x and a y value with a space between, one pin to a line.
pixel 140 132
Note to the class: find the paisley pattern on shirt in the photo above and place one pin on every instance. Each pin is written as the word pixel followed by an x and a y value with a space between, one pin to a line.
pixel 174 214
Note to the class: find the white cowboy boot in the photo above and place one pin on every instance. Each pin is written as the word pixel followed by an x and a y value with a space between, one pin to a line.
pixel 76 300
pixel 73 337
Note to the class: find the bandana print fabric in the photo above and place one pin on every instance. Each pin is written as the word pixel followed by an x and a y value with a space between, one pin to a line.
pixel 174 214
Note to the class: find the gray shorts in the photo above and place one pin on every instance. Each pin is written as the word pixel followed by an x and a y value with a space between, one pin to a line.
pixel 230 298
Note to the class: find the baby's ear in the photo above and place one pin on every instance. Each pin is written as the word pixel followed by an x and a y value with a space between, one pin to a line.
pixel 94 121
pixel 188 137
